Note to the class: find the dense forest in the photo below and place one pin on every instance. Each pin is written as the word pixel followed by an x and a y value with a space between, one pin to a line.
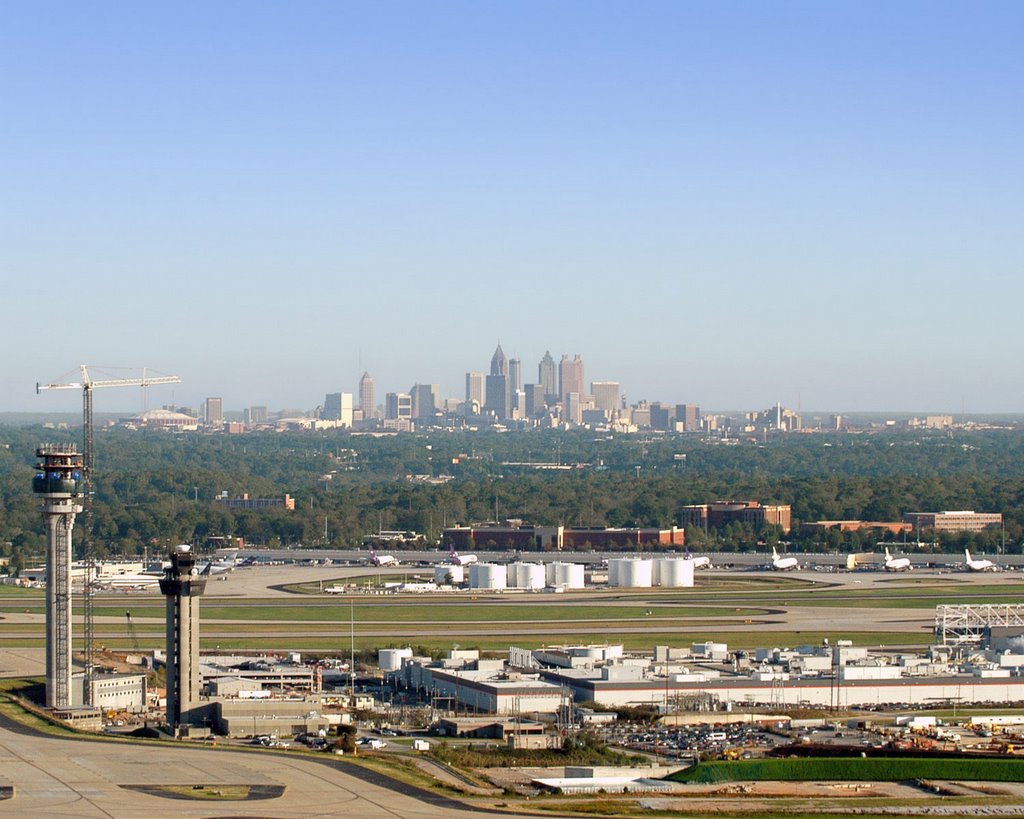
pixel 153 489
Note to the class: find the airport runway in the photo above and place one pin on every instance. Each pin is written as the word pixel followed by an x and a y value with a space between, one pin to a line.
pixel 749 601
pixel 85 778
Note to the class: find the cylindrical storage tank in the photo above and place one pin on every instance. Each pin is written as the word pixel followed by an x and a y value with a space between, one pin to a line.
pixel 565 575
pixel 633 573
pixel 449 573
pixel 488 576
pixel 613 571
pixel 674 571
pixel 526 576
pixel 390 659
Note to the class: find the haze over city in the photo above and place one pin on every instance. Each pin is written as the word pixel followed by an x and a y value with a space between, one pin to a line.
pixel 726 205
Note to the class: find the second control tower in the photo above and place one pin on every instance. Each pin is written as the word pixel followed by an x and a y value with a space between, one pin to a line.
pixel 182 585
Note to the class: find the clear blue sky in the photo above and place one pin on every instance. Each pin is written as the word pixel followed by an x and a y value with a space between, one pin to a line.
pixel 721 203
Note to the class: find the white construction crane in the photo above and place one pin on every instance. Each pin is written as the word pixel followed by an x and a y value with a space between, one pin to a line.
pixel 87 385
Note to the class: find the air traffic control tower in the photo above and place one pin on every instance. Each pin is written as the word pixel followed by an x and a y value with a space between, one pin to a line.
pixel 182 585
pixel 57 482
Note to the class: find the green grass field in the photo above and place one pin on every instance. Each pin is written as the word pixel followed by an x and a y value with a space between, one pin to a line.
pixel 404 611
pixel 741 611
pixel 855 769
pixel 19 592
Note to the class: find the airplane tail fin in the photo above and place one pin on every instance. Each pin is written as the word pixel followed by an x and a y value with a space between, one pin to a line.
pixel 887 555
pixel 967 555
pixel 775 553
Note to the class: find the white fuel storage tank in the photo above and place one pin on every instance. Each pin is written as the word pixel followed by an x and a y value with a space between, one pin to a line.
pixel 631 572
pixel 390 659
pixel 488 576
pixel 443 572
pixel 526 576
pixel 565 575
pixel 676 572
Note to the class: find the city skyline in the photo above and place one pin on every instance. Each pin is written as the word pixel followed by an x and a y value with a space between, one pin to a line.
pixel 574 365
pixel 730 206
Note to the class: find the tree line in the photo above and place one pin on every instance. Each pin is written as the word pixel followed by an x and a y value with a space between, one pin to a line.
pixel 153 489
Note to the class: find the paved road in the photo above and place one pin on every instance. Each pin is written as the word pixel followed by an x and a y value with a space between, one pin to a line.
pixel 83 778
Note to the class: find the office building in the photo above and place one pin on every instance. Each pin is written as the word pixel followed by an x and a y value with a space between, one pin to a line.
pixel 573 408
pixel 719 514
pixel 533 395
pixel 215 412
pixel 663 417
pixel 958 521
pixel 497 387
pixel 332 406
pixel 256 415
pixel 475 389
pixel 606 395
pixel 689 416
pixel 547 377
pixel 515 374
pixel 499 364
pixel 367 397
pixel 398 406
pixel 570 378
pixel 514 534
pixel 426 400
pixel 516 399
pixel 338 407
pixel 496 396
pixel 243 501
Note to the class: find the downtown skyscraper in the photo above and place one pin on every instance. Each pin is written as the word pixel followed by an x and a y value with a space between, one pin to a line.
pixel 367 399
pixel 496 390
pixel 570 378
pixel 547 377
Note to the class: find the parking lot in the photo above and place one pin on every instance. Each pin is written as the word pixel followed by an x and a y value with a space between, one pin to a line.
pixel 687 742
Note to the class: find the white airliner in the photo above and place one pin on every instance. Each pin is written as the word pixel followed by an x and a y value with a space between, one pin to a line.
pixel 220 565
pixel 702 562
pixel 783 564
pixel 978 565
pixel 464 560
pixel 145 580
pixel 382 560
pixel 896 564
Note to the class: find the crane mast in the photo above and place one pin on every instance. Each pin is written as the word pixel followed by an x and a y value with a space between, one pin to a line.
pixel 87 385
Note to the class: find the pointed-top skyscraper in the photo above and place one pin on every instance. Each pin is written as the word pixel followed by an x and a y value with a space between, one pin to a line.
pixel 499 364
pixel 496 386
pixel 366 397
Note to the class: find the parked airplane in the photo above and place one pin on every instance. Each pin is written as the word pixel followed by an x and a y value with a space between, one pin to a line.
pixel 978 565
pixel 783 564
pixel 145 580
pixel 382 560
pixel 464 560
pixel 896 564
pixel 219 565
